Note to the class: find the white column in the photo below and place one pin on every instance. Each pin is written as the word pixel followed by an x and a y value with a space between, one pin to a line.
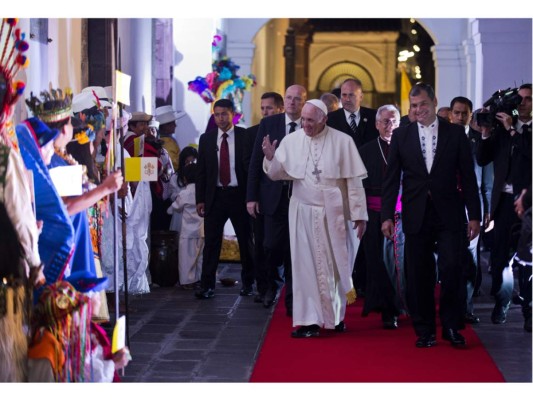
pixel 471 72
pixel 242 54
pixel 240 48
pixel 135 38
pixel 449 72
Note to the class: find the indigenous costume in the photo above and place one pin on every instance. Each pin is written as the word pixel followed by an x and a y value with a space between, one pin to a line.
pixel 100 366
pixel 138 222
pixel 19 256
pixel 149 146
pixel 172 148
pixel 384 276
pixel 67 346
pixel 18 252
pixel 327 195
pixel 56 240
pixel 60 345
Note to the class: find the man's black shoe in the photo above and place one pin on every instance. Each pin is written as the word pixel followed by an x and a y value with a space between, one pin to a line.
pixel 426 340
pixel 499 314
pixel 269 299
pixel 454 337
pixel 340 327
pixel 306 332
pixel 247 291
pixel 205 294
pixel 259 298
pixel 390 322
pixel 471 318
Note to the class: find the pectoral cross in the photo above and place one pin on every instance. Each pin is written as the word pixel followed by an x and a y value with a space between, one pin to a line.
pixel 316 172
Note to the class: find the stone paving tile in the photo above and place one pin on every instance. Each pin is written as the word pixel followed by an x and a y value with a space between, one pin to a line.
pixel 157 328
pixel 192 344
pixel 149 337
pixel 197 334
pixel 186 355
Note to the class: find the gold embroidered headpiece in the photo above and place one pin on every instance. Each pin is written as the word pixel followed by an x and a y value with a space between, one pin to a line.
pixel 53 106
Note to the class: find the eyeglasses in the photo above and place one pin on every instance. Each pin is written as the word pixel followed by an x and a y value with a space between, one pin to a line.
pixel 388 121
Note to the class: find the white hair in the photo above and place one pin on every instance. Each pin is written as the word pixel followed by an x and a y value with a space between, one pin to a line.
pixel 388 107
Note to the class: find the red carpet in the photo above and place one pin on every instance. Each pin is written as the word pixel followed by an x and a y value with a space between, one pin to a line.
pixel 368 353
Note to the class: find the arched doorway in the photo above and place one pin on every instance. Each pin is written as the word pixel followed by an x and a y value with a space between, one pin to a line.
pixel 321 53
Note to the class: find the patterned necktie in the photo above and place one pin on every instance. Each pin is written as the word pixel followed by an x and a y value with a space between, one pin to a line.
pixel 352 123
pixel 292 127
pixel 225 176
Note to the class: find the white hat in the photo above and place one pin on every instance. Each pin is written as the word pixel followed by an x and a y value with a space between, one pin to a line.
pixel 100 93
pixel 319 104
pixel 83 101
pixel 109 92
pixel 153 124
pixel 166 114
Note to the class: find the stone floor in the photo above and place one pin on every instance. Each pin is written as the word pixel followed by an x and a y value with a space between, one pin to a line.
pixel 174 337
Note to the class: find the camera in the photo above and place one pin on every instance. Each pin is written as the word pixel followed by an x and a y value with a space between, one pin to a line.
pixel 506 101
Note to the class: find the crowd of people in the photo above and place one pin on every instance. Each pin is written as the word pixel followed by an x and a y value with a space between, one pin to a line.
pixel 390 215
pixel 330 199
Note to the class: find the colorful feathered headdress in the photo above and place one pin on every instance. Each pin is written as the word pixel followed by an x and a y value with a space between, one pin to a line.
pixel 12 59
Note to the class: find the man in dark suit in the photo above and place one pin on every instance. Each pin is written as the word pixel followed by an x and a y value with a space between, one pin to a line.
pixel 271 198
pixel 433 159
pixel 509 147
pixel 461 114
pixel 271 104
pixel 363 128
pixel 220 194
pixel 360 123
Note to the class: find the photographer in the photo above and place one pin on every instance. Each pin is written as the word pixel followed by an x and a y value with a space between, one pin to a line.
pixel 506 142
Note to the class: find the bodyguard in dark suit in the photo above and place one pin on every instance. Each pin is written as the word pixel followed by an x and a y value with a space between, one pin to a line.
pixel 363 129
pixel 220 194
pixel 271 198
pixel 271 104
pixel 434 159
pixel 509 147
pixel 360 123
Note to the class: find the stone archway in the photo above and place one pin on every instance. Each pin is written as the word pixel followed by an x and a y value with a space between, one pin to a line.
pixel 466 54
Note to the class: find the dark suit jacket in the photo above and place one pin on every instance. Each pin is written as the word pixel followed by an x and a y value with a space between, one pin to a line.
pixel 484 174
pixel 453 167
pixel 260 187
pixel 251 134
pixel 515 168
pixel 207 175
pixel 371 154
pixel 366 130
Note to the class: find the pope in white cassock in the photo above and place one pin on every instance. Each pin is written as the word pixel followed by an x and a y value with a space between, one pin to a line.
pixel 327 217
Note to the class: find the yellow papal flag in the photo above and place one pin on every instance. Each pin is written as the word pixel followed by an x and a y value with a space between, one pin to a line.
pixel 141 169
pixel 405 88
